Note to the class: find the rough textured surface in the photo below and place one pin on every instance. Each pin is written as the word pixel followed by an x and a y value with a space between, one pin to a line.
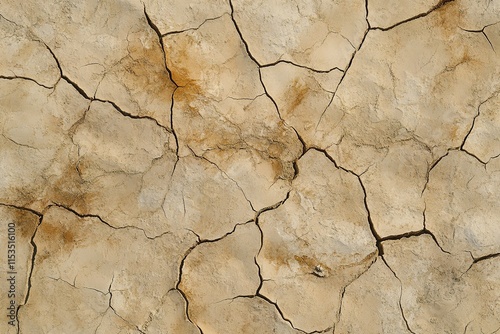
pixel 313 247
pixel 371 303
pixel 237 166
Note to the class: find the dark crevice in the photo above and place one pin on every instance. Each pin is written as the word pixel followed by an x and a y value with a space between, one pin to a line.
pixel 18 77
pixel 6 19
pixel 403 312
pixel 329 157
pixel 121 111
pixel 87 215
pixel 160 40
pixel 481 31
pixel 295 169
pixel 411 234
pixel 378 242
pixel 174 32
pixel 30 275
pixel 303 143
pixel 76 87
pixel 241 35
pixel 261 278
pixel 434 164
pixel 435 7
pixel 172 125
pixel 301 66
pixel 486 257
pixel 474 156
pixel 367 13
pixel 39 214
pixel 162 46
pixel 472 125
pixel 187 310
pixel 272 207
pixel 181 266
pixel 482 258
pixel 430 233
pixel 269 96
pixel 35 250
pixel 277 309
pixel 93 98
pixel 370 222
pixel 478 113
pixel 124 113
pixel 322 331
pixel 339 314
pixel 179 280
pixel 207 241
pixel 467 326
pixel 488 39
pixel 305 147
pixel 260 296
pixel 257 218
pixel 53 56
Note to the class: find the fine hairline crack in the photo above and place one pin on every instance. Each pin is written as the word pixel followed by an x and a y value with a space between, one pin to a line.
pixel 400 296
pixel 342 293
pixel 95 216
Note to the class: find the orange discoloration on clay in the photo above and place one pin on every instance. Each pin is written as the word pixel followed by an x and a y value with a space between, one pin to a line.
pixel 297 94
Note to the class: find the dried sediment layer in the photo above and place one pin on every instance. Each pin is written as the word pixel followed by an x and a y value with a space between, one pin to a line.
pixel 238 166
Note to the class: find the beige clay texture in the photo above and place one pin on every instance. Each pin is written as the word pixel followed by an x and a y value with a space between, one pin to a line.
pixel 250 166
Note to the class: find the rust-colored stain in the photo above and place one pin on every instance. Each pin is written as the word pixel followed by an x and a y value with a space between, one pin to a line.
pixel 446 18
pixel 25 222
pixel 56 233
pixel 297 94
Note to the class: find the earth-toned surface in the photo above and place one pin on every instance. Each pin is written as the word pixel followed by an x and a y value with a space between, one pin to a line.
pixel 250 166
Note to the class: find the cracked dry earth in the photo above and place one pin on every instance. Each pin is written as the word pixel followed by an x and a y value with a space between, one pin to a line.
pixel 250 166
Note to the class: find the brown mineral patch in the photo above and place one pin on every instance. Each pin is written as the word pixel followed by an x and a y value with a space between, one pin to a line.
pixel 143 69
pixel 41 256
pixel 277 168
pixel 68 236
pixel 463 60
pixel 446 18
pixel 297 93
pixel 453 131
pixel 23 197
pixel 278 257
pixel 56 233
pixel 68 190
pixel 185 96
pixel 184 66
pixel 188 294
pixel 25 222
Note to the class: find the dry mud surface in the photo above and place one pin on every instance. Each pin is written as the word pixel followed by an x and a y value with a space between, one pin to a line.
pixel 250 166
